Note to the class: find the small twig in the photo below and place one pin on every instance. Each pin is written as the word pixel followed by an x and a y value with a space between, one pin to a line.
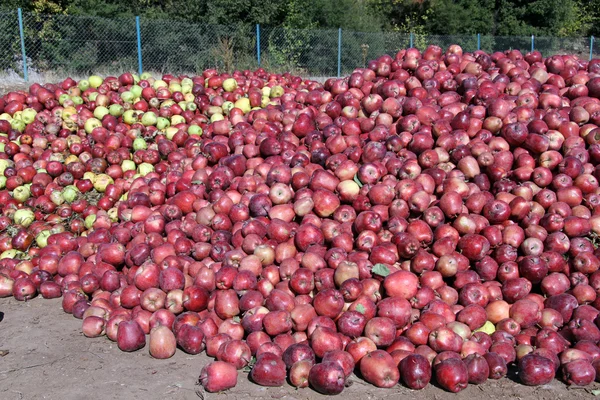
pixel 32 366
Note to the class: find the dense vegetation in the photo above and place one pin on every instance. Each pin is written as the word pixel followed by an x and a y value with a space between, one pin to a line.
pixel 296 35
pixel 445 17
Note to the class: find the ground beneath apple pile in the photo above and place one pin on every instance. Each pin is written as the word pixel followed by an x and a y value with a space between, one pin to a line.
pixel 44 355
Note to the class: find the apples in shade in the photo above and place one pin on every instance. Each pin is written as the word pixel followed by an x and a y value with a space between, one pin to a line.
pixel 535 370
pixel 327 378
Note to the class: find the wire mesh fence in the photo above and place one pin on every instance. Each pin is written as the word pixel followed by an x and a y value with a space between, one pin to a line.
pixel 68 45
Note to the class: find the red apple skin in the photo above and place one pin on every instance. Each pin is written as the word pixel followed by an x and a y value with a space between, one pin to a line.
pixel 343 359
pixel 415 371
pixel 578 373
pixel 379 369
pixel 477 368
pixel 497 365
pixel 452 375
pixel 218 376
pixel 130 336
pixel 190 339
pixel 162 343
pixel 535 370
pixel 327 378
pixel 269 370
pixel 298 352
pixel 299 373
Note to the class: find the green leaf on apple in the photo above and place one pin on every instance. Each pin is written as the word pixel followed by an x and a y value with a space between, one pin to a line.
pixel 358 182
pixel 236 319
pixel 360 308
pixel 381 270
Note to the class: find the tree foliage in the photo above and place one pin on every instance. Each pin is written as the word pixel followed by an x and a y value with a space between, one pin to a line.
pixel 442 17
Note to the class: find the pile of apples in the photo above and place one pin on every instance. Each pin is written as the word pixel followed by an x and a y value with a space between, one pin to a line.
pixel 433 216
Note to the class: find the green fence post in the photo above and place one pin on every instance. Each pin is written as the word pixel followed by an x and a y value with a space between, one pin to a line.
pixel 479 41
pixel 22 33
pixel 591 47
pixel 339 60
pixel 258 43
pixel 411 40
pixel 139 43
pixel 532 43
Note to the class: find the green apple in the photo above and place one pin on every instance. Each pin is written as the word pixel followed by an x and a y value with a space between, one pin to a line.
pixel 12 253
pixel 145 168
pixel 227 106
pixel 4 163
pixel 177 119
pixel 159 83
pixel 183 105
pixel 93 96
pixel 100 112
pixel 102 181
pixel 77 100
pixel 17 124
pixel 195 130
pixel 28 115
pixel 136 78
pixel 57 198
pixel 42 238
pixel 113 214
pixel 95 81
pixel 264 101
pixel 136 90
pixel 186 89
pixel 175 87
pixel 70 193
pixel 187 82
pixel 128 165
pixel 127 96
pixel 243 104
pixel 162 123
pixel 84 85
pixel 91 124
pixel 191 106
pixel 89 221
pixel 277 91
pixel 230 84
pixel 21 193
pixel 139 144
pixel 24 217
pixel 130 117
pixel 216 117
pixel 488 328
pixel 145 76
pixel 170 132
pixel 116 110
pixel 266 91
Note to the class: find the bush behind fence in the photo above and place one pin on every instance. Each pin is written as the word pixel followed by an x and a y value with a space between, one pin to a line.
pixel 65 45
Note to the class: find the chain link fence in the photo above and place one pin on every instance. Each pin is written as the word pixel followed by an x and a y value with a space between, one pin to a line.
pixel 51 47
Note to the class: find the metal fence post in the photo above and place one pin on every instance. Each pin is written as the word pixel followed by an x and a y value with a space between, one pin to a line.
pixel 532 43
pixel 479 41
pixel 139 43
pixel 339 60
pixel 411 40
pixel 591 47
pixel 22 33
pixel 258 43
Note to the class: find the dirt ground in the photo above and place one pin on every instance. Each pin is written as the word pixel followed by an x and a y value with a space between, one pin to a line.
pixel 49 358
